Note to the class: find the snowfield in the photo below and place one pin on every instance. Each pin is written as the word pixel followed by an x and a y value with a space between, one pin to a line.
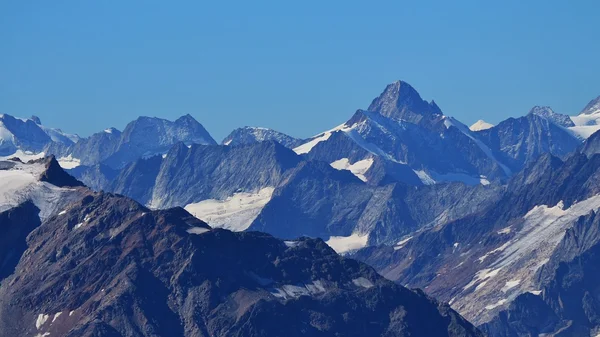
pixel 21 183
pixel 358 168
pixel 508 270
pixel 235 213
pixel 346 244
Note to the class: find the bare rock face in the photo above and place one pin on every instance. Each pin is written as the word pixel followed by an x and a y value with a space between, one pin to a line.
pixel 142 137
pixel 56 176
pixel 525 264
pixel 108 266
pixel 249 135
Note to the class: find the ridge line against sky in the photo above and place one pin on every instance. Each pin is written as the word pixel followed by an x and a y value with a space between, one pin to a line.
pixel 299 68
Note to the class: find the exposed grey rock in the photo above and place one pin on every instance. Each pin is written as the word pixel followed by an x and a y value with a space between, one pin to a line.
pixel 549 114
pixel 592 107
pixel 110 267
pixel 248 135
pixel 201 172
pixel 451 260
pixel 520 141
pixel 143 137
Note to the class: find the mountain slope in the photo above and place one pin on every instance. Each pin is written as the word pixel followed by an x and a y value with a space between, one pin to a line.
pixel 483 262
pixel 143 137
pixel 188 175
pixel 400 127
pixel 248 135
pixel 107 266
pixel 28 135
pixel 520 141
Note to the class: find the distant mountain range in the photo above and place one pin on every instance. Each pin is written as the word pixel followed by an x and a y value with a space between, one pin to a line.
pixel 497 220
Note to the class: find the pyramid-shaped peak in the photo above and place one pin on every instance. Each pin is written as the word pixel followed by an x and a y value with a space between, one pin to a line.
pixel 399 100
pixel 592 107
pixel 549 114
pixel 541 110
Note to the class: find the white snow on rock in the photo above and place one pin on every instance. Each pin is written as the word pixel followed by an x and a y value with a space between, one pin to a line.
pixel 358 168
pixel 402 242
pixel 451 122
pixel 41 319
pixel 362 282
pixel 291 244
pixel 508 270
pixel 481 125
pixel 56 316
pixel 424 177
pixel 433 178
pixel 585 124
pixel 345 244
pixel 235 213
pixel 497 304
pixel 198 230
pixel 24 156
pixel 510 284
pixel 308 146
pixel 294 291
pixel 68 162
pixel 21 183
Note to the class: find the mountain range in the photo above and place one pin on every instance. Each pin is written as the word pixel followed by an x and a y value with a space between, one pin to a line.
pixel 97 264
pixel 499 221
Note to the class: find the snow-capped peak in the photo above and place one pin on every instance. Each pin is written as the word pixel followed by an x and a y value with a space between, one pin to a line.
pixel 481 125
pixel 592 107
pixel 400 101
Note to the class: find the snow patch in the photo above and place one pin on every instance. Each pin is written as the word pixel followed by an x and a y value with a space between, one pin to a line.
pixel 482 275
pixel 424 177
pixel 481 125
pixel 362 282
pixel 294 291
pixel 41 319
pixel 198 230
pixel 359 168
pixel 497 304
pixel 402 242
pixel 291 244
pixel 235 213
pixel 504 230
pixel 308 146
pixel 585 124
pixel 56 316
pixel 24 156
pixel 68 162
pixel 345 244
pixel 510 284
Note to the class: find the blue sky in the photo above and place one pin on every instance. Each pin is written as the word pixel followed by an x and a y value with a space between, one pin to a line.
pixel 296 66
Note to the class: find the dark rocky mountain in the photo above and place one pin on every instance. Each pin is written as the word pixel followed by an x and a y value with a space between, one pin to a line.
pixel 591 146
pixel 549 114
pixel 318 201
pixel 191 174
pixel 519 141
pixel 249 135
pixel 143 137
pixel 267 187
pixel 107 266
pixel 97 177
pixel 487 262
pixel 568 300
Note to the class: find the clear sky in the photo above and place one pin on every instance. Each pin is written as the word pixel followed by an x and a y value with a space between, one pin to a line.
pixel 300 67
